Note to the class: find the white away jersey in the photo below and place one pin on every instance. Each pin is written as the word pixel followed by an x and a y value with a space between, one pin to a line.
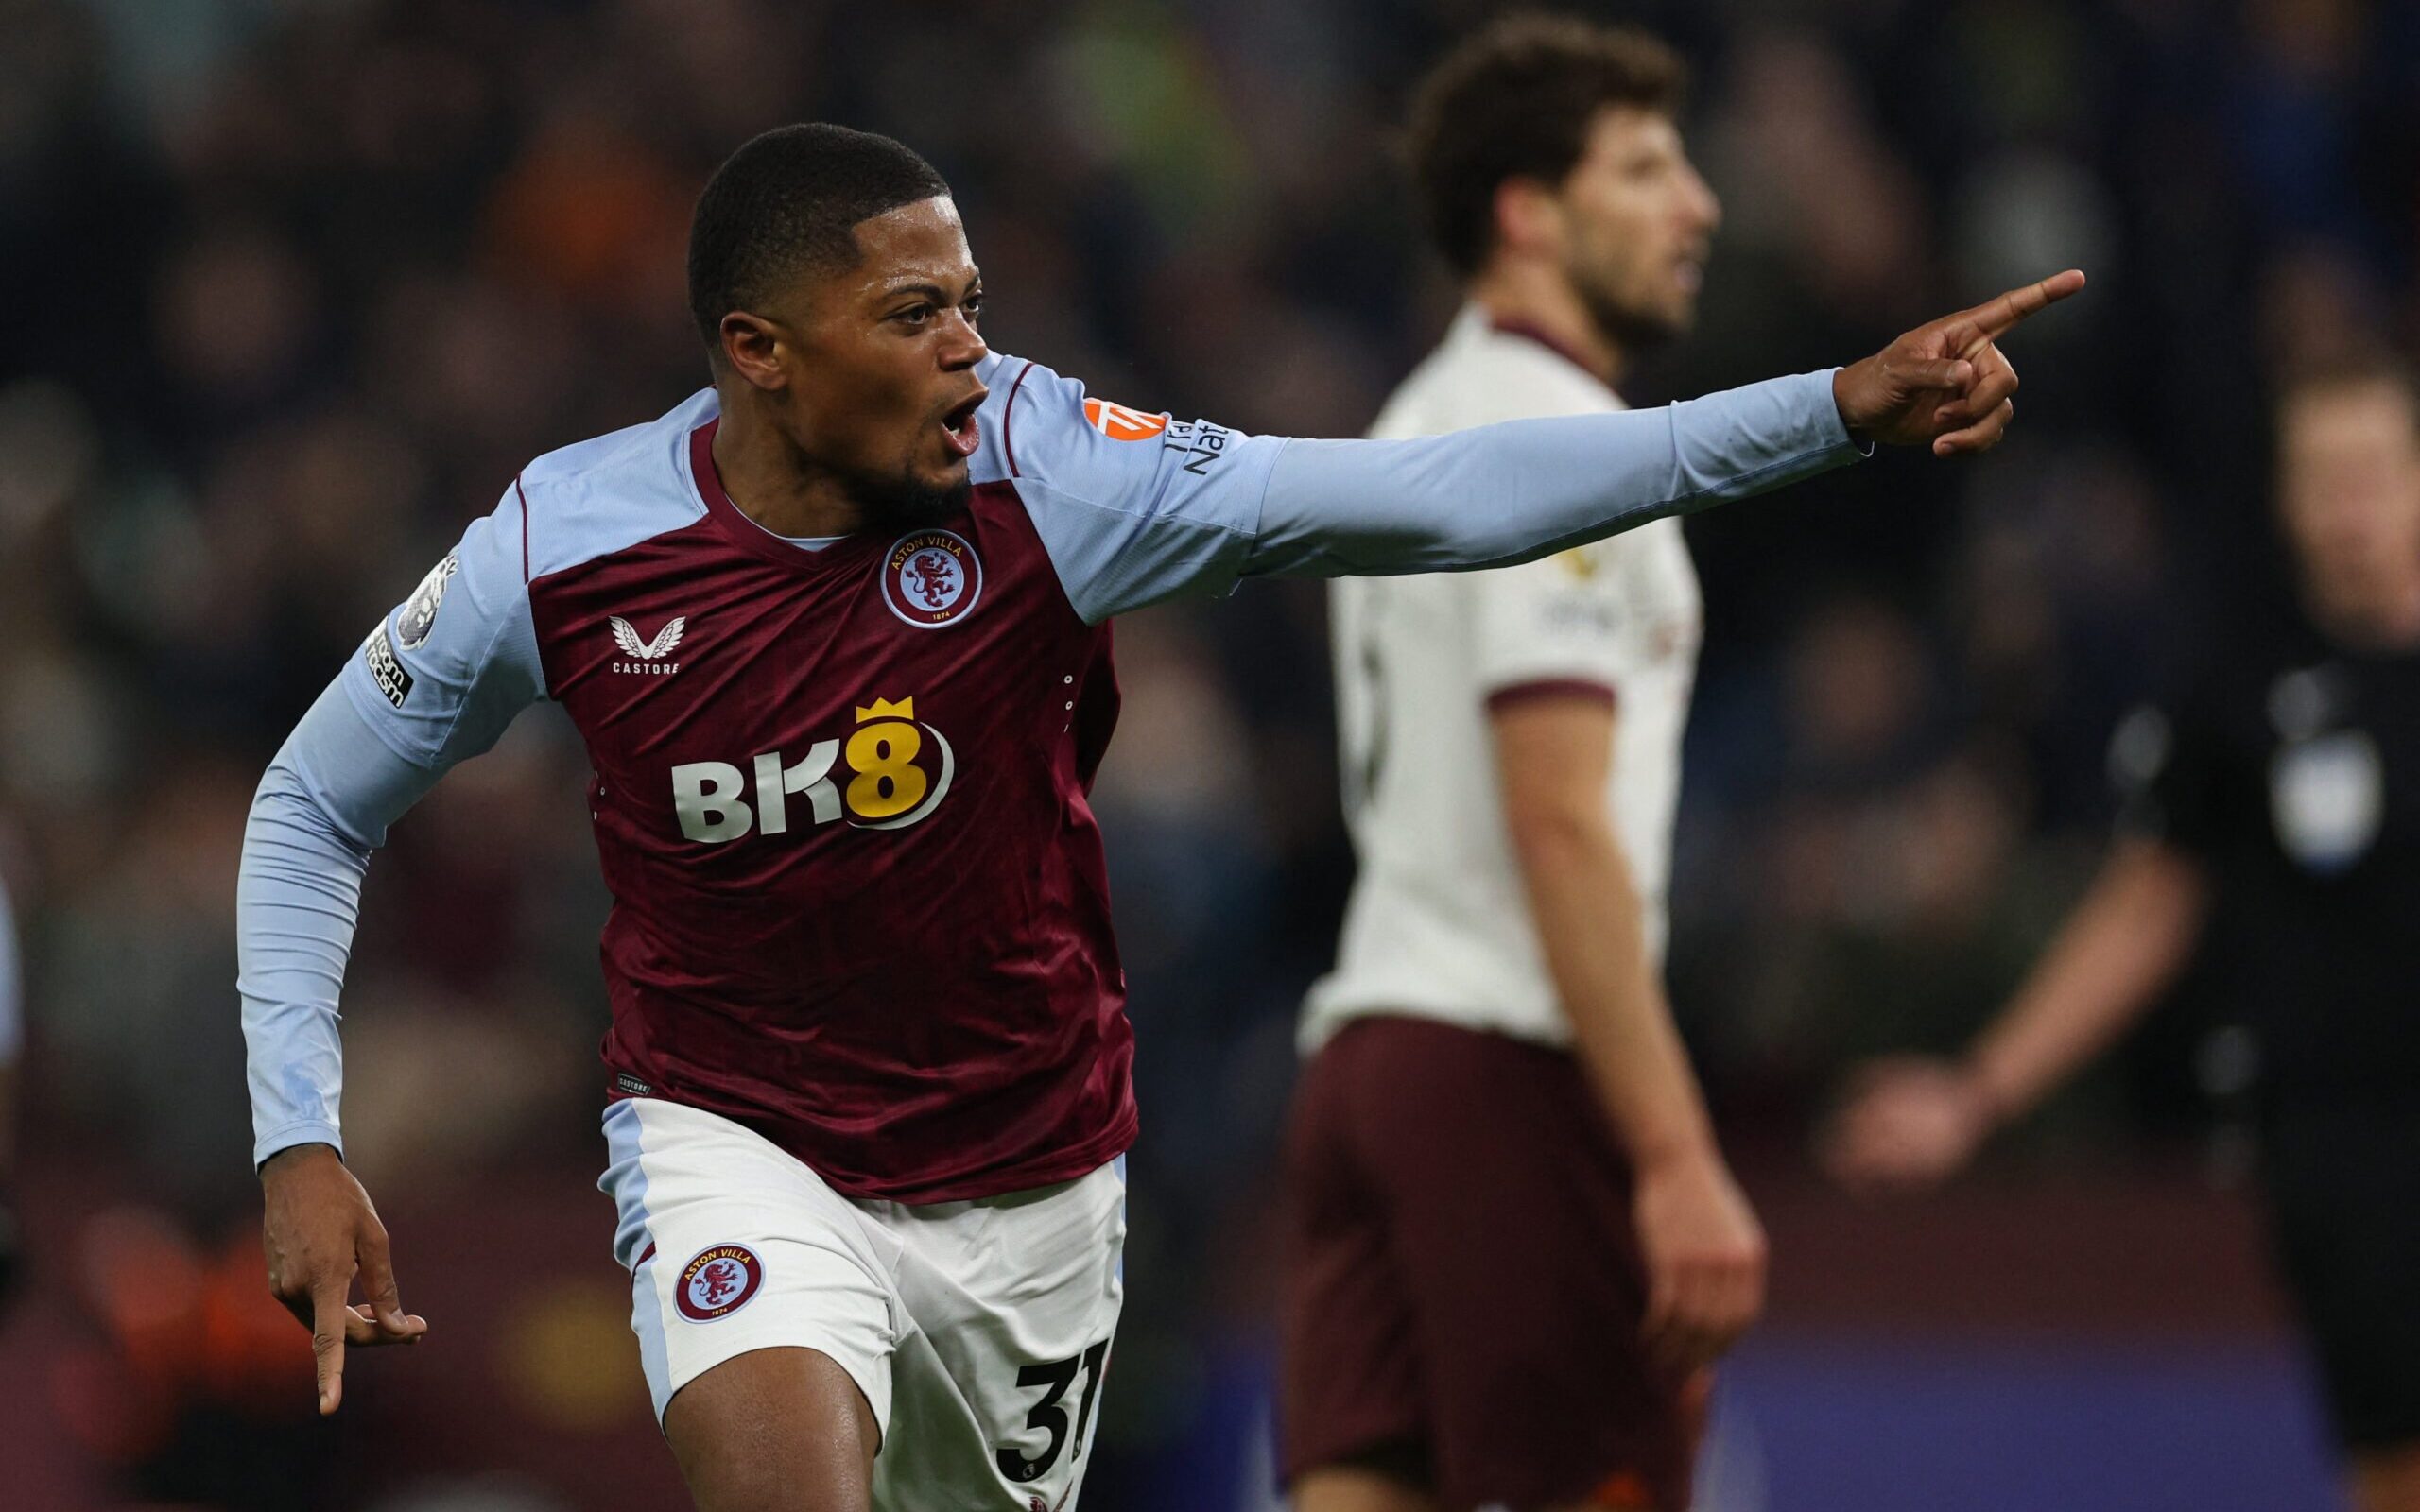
pixel 1439 926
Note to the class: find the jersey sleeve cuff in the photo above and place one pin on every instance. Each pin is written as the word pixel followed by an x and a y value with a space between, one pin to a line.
pixel 1530 689
pixel 1839 426
pixel 286 1136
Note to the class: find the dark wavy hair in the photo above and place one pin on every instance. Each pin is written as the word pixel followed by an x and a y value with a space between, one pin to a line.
pixel 1515 100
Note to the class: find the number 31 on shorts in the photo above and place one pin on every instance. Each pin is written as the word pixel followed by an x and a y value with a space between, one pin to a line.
pixel 1049 1415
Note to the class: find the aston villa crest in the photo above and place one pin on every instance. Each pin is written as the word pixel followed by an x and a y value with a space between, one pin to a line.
pixel 931 578
pixel 717 1283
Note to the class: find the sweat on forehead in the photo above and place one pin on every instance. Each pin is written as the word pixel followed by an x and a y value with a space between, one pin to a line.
pixel 786 203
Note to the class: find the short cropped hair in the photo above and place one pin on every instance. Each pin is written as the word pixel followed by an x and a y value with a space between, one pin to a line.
pixel 786 203
pixel 1517 100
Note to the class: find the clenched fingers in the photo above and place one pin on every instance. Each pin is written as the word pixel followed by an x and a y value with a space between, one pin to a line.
pixel 1701 1311
pixel 365 1327
pixel 1995 381
pixel 378 1277
pixel 1922 374
pixel 1980 437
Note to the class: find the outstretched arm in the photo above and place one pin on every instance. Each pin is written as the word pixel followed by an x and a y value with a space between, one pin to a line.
pixel 1507 493
pixel 1137 508
pixel 1498 495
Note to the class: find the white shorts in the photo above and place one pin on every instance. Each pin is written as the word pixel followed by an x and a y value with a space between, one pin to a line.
pixel 979 1331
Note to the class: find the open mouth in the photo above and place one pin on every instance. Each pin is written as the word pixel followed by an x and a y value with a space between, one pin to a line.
pixel 958 429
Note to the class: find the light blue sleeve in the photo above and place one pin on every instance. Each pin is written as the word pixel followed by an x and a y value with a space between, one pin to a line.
pixel 323 807
pixel 1134 508
pixel 1500 495
pixel 436 683
pixel 440 676
pixel 1137 508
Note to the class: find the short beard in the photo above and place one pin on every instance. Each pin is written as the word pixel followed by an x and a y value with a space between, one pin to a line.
pixel 896 503
pixel 1633 331
pixel 899 505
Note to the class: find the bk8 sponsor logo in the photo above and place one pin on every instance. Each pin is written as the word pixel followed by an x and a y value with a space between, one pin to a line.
pixel 897 770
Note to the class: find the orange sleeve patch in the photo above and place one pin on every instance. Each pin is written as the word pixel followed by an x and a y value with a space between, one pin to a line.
pixel 1120 423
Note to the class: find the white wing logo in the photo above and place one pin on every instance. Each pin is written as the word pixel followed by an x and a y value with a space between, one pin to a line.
pixel 665 639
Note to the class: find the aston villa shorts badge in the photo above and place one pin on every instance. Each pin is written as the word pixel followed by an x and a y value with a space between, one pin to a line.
pixel 931 578
pixel 717 1283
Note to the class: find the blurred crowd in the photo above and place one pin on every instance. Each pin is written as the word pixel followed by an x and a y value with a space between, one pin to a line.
pixel 294 287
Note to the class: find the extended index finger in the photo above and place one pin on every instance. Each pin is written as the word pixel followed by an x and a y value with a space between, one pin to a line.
pixel 328 1315
pixel 1995 318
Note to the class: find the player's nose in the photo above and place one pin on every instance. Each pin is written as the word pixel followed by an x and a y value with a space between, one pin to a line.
pixel 962 346
pixel 1704 209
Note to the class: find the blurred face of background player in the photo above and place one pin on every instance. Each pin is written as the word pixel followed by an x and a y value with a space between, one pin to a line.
pixel 2349 500
pixel 1627 229
pixel 867 370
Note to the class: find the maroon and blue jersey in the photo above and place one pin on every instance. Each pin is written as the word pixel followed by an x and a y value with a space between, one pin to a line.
pixel 839 797
pixel 838 788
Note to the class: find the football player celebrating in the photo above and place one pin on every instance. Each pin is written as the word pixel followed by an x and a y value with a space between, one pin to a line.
pixel 834 633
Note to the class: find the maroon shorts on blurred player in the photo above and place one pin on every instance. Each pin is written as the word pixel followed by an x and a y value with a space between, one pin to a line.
pixel 1463 1289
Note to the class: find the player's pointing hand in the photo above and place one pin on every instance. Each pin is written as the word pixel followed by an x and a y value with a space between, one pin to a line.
pixel 320 1230
pixel 1946 384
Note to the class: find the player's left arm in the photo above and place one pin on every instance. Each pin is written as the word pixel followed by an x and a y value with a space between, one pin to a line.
pixel 1363 507
pixel 1137 508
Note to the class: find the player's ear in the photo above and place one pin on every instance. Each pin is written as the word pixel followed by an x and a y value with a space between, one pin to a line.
pixel 1528 218
pixel 752 348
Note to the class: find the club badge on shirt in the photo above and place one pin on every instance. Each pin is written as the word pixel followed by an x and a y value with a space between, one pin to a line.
pixel 931 578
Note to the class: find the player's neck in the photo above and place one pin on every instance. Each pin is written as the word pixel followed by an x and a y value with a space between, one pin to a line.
pixel 1543 303
pixel 764 478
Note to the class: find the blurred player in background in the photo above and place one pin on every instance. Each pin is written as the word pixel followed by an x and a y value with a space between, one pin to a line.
pixel 2271 819
pixel 12 1034
pixel 1514 1247
pixel 834 633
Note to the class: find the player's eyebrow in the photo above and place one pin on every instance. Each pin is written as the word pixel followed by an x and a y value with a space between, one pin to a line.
pixel 931 290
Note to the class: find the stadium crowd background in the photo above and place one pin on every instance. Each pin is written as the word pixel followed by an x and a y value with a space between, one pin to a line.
pixel 294 286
